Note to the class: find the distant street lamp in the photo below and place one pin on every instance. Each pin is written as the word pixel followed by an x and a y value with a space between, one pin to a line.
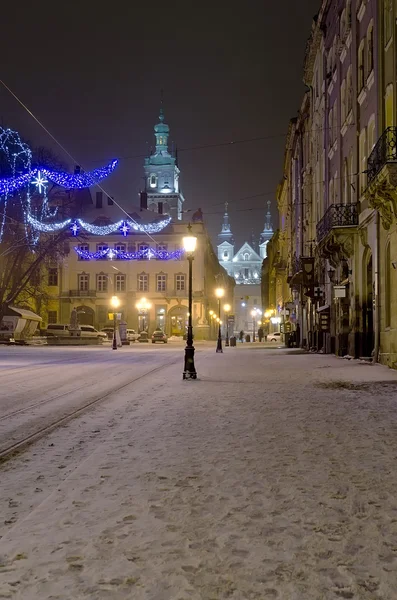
pixel 143 306
pixel 219 293
pixel 189 244
pixel 227 308
pixel 115 302
pixel 253 314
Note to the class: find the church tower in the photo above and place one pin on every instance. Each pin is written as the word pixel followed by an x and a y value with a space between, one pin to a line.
pixel 226 241
pixel 267 233
pixel 162 175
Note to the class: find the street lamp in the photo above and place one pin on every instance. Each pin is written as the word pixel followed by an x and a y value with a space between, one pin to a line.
pixel 227 309
pixel 189 244
pixel 253 314
pixel 115 302
pixel 143 306
pixel 219 293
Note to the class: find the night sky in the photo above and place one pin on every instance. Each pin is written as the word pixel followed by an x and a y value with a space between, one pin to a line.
pixel 93 77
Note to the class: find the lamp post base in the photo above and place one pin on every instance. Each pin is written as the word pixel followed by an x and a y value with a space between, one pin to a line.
pixel 189 370
pixel 219 345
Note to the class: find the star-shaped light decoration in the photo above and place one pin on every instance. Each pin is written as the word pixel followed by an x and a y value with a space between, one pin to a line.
pixel 111 254
pixel 74 228
pixel 125 228
pixel 39 182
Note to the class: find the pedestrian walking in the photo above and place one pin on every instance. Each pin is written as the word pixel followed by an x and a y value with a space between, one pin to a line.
pixel 241 336
pixel 260 334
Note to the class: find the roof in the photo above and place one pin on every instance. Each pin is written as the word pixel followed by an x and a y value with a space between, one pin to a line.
pixel 25 314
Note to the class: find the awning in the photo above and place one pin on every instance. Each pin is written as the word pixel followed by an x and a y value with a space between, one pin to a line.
pixel 322 308
pixel 25 314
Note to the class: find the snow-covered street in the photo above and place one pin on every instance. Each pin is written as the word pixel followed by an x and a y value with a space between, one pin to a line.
pixel 271 476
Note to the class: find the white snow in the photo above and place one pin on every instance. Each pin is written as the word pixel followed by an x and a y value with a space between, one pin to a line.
pixel 272 476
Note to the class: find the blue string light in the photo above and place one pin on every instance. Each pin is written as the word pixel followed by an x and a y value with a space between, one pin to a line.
pixel 122 226
pixel 36 177
pixel 146 253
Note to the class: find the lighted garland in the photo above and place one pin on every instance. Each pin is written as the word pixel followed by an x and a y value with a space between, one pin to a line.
pixel 112 253
pixel 66 180
pixel 123 226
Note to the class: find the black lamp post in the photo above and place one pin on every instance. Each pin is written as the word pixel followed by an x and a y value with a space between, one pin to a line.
pixel 226 310
pixel 219 293
pixel 189 244
pixel 115 302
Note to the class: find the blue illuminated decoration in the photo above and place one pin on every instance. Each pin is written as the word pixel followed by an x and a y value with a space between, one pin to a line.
pixel 39 182
pixel 35 176
pixel 146 253
pixel 125 228
pixel 99 229
pixel 47 227
pixel 74 228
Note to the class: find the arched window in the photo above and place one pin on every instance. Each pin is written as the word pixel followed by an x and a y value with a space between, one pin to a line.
pixel 370 48
pixel 387 287
pixel 153 180
pixel 346 182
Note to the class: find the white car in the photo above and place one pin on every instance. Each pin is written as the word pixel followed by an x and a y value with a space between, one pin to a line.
pixel 274 337
pixel 132 335
pixel 90 331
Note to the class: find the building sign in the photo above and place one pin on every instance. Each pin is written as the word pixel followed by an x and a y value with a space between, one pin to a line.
pixel 324 320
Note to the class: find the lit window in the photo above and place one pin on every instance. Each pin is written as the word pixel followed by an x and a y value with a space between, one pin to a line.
pixel 180 282
pixel 102 282
pixel 119 282
pixel 83 281
pixel 143 282
pixel 161 282
pixel 153 180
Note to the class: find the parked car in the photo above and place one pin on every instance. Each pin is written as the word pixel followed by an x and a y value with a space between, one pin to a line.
pixel 57 329
pixel 159 336
pixel 132 335
pixel 108 331
pixel 274 337
pixel 90 331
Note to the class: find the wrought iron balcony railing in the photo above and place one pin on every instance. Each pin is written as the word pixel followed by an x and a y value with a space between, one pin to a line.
pixel 385 151
pixel 337 215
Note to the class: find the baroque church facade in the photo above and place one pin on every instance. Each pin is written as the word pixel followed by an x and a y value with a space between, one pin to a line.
pixel 244 265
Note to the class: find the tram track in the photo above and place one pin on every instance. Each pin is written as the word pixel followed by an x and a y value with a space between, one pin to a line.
pixel 21 444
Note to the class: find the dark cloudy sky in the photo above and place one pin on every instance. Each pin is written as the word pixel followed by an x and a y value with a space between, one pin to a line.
pixel 94 76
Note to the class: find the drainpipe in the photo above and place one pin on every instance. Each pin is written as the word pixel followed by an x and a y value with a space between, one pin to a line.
pixel 376 283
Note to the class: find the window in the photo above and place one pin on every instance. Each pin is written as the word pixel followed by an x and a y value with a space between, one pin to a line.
pixel 52 317
pixel 360 72
pixel 102 282
pixel 180 281
pixel 161 247
pixel 83 281
pixel 84 248
pixel 98 200
pixel 371 135
pixel 343 105
pixel 143 248
pixel 346 182
pixel 370 48
pixel 389 106
pixel 246 256
pixel 387 288
pixel 161 282
pixel 52 276
pixel 352 174
pixel 349 90
pixel 110 200
pixel 153 180
pixel 225 255
pixel 120 247
pixel 362 159
pixel 246 273
pixel 119 282
pixel 331 127
pixel 102 248
pixel 388 19
pixel 331 192
pixel 143 282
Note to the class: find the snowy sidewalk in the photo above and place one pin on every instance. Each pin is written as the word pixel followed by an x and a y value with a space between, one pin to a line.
pixel 272 476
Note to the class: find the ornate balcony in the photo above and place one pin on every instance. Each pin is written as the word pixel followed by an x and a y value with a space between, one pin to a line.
pixel 385 151
pixel 337 216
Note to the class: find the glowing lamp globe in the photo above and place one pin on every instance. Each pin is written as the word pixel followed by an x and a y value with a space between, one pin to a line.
pixel 219 292
pixel 189 243
pixel 115 302
pixel 227 308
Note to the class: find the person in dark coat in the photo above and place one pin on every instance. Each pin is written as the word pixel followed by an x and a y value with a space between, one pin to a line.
pixel 241 336
pixel 260 334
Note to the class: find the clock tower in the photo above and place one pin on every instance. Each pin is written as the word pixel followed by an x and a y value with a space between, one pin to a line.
pixel 162 175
